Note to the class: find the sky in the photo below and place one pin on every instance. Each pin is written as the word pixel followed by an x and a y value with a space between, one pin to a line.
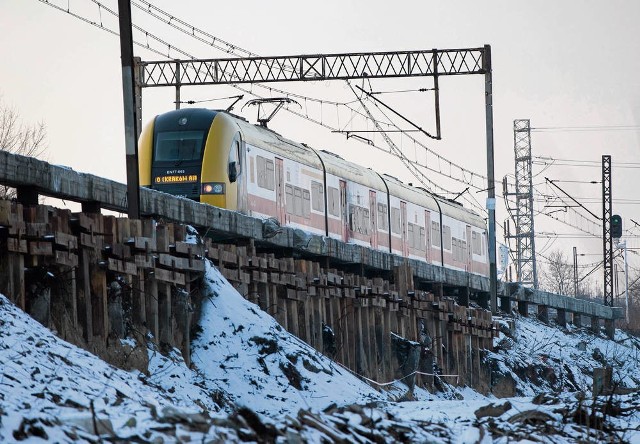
pixel 568 66
pixel 241 357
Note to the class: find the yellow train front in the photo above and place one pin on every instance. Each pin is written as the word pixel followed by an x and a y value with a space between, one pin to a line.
pixel 193 153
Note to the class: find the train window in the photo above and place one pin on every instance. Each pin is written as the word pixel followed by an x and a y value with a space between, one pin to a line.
pixel 415 235
pixel 366 221
pixel 317 196
pixel 235 166
pixel 306 203
pixel 271 182
pixel 266 173
pixel 476 243
pixel 383 217
pixel 359 219
pixel 457 250
pixel 395 220
pixel 446 237
pixel 288 190
pixel 297 201
pixel 334 201
pixel 484 244
pixel 178 146
pixel 411 235
pixel 435 234
pixel 354 216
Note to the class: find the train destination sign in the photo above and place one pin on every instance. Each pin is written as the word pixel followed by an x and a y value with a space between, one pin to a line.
pixel 177 178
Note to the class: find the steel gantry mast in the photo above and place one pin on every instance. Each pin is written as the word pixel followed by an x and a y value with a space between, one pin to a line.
pixel 525 234
pixel 374 65
pixel 607 243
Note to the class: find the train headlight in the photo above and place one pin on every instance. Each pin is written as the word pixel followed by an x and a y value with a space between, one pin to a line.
pixel 213 188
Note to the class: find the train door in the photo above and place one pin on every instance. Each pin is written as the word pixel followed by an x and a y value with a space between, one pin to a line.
pixel 403 226
pixel 469 250
pixel 373 214
pixel 280 203
pixel 344 211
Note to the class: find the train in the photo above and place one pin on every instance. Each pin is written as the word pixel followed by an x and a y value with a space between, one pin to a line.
pixel 220 159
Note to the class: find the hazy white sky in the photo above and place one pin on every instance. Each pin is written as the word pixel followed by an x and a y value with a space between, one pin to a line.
pixel 561 64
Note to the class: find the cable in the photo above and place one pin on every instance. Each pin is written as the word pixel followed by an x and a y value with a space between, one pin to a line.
pixel 586 128
pixel 196 33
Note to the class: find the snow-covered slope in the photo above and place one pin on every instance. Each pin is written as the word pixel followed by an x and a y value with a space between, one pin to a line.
pixel 243 362
pixel 538 358
pixel 244 352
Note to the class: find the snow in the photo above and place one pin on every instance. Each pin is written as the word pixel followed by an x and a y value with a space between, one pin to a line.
pixel 244 362
pixel 246 353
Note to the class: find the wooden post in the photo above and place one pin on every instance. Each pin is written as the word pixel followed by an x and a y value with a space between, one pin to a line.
pixel 562 317
pixel 281 306
pixel 152 304
pixel 12 264
pixel 379 344
pixel 543 313
pixel 523 308
pixel 98 292
pixel 85 308
pixel 577 319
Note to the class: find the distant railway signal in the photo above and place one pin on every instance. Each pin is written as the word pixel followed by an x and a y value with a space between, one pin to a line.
pixel 616 226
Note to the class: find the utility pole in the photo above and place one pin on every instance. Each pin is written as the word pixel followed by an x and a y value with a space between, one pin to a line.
pixel 491 199
pixel 575 272
pixel 626 280
pixel 129 101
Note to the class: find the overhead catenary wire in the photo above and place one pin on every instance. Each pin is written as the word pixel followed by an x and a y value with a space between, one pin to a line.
pixel 464 176
pixel 586 128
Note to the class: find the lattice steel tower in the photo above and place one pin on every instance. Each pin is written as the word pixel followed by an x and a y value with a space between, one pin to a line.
pixel 525 240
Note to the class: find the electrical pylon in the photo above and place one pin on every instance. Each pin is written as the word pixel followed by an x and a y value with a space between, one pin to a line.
pixel 525 240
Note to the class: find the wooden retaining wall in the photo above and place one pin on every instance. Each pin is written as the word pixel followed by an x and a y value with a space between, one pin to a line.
pixel 96 278
pixel 381 330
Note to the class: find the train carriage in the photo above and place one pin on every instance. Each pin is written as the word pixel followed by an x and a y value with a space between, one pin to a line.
pixel 223 160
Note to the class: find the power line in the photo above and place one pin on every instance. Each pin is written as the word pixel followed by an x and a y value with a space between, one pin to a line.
pixel 578 162
pixel 586 128
pixel 464 176
pixel 190 30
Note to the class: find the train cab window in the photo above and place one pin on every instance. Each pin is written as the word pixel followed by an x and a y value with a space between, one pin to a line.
pixel 235 166
pixel 174 146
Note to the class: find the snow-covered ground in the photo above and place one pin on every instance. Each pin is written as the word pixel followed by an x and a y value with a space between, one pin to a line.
pixel 252 381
